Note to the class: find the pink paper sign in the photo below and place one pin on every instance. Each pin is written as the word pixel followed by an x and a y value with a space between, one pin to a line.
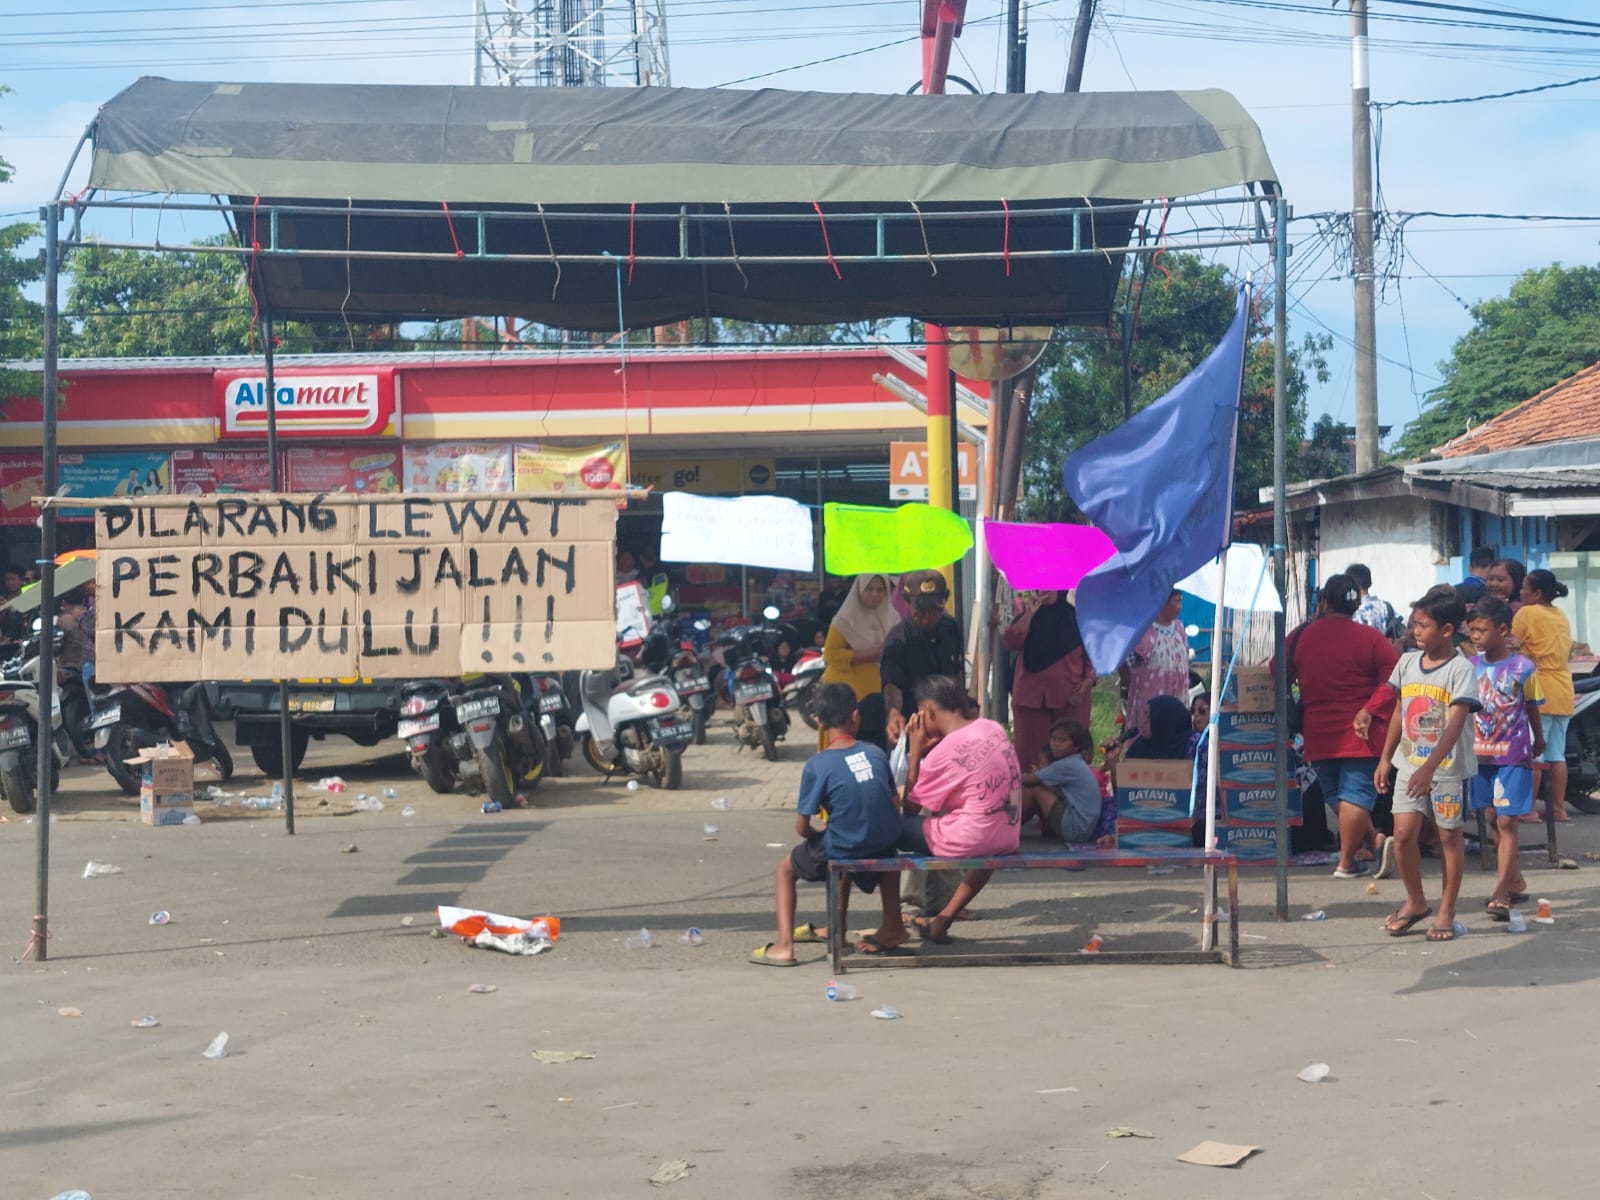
pixel 1045 557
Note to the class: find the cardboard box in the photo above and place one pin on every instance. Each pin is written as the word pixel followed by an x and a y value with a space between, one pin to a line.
pixel 166 784
pixel 1249 843
pixel 1249 766
pixel 1258 805
pixel 1251 690
pixel 1153 792
pixel 1247 731
pixel 1154 837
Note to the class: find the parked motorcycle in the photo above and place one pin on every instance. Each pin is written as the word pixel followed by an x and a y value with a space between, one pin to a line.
pixel 669 650
pixel 131 717
pixel 556 720
pixel 1583 746
pixel 437 746
pixel 630 724
pixel 760 718
pixel 800 693
pixel 19 727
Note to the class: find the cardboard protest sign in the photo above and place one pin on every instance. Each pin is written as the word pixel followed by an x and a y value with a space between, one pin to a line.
pixel 281 586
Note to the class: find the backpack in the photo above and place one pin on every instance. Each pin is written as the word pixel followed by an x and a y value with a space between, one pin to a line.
pixel 1393 627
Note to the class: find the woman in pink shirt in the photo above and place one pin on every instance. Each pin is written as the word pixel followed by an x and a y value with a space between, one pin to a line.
pixel 1053 678
pixel 963 774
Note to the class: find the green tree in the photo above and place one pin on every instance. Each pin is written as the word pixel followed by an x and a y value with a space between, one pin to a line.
pixel 1182 317
pixel 133 303
pixel 21 319
pixel 1545 329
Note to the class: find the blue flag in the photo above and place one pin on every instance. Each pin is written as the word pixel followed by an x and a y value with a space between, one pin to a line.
pixel 1161 487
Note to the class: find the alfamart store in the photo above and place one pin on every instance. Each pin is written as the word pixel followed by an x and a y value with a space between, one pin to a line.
pixel 812 424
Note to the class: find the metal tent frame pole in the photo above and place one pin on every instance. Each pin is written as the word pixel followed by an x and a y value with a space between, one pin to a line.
pixel 275 462
pixel 1280 534
pixel 44 736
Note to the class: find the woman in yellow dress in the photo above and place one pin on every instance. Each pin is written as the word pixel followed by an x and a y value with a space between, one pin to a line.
pixel 854 646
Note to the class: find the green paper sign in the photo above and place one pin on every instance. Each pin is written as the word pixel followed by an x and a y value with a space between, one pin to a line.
pixel 859 538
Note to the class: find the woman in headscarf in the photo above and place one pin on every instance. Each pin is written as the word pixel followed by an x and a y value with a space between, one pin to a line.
pixel 1053 678
pixel 1159 666
pixel 853 647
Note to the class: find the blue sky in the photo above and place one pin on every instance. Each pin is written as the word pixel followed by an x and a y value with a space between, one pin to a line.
pixel 1288 61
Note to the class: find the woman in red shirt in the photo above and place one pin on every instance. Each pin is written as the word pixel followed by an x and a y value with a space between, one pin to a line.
pixel 1343 670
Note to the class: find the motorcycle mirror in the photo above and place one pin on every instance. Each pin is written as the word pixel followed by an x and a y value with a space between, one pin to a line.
pixel 770 612
pixel 667 604
pixel 36 625
pixel 1191 630
pixel 702 624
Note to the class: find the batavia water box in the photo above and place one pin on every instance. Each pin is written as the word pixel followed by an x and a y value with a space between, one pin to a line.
pixel 1247 731
pixel 166 783
pixel 1137 837
pixel 1153 792
pixel 1250 843
pixel 1250 690
pixel 1257 804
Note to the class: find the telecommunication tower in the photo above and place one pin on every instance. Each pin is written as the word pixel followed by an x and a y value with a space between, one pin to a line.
pixel 571 43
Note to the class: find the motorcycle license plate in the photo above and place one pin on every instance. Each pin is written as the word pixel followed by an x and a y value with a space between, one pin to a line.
pixel 427 724
pixel 690 687
pixel 749 693
pixel 670 731
pixel 13 735
pixel 311 704
pixel 106 717
pixel 551 703
pixel 467 710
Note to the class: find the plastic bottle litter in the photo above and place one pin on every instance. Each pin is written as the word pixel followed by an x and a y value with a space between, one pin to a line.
pixel 74 1194
pixel 1458 929
pixel 1319 915
pixel 277 791
pixel 218 1047
pixel 408 810
pixel 633 785
pixel 144 1022
pixel 213 792
pixel 1544 914
pixel 94 870
pixel 365 803
pixel 1516 922
pixel 191 819
pixel 390 794
pixel 262 802
pixel 160 918
pixel 492 806
pixel 483 989
pixel 638 941
pixel 692 937
pixel 886 1013
pixel 720 804
pixel 1315 1073
pixel 710 829
pixel 840 991
pixel 1092 946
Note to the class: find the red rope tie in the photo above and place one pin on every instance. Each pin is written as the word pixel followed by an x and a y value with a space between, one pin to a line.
pixel 631 208
pixel 34 940
pixel 1005 240
pixel 448 220
pixel 1161 236
pixel 827 246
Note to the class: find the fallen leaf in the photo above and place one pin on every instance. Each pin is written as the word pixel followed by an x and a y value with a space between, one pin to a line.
pixel 1129 1131
pixel 561 1056
pixel 670 1172
pixel 1217 1154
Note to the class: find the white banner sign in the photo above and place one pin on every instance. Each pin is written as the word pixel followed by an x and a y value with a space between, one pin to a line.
pixel 1249 580
pixel 752 531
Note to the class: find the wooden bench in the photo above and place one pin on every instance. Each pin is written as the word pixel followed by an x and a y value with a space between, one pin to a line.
pixel 1052 860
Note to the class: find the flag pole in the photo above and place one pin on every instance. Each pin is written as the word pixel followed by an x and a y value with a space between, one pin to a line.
pixel 1208 930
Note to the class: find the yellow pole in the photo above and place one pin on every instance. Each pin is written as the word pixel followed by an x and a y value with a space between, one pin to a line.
pixel 941 470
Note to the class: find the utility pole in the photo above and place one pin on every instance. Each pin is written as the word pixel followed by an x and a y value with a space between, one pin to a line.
pixel 1016 46
pixel 1080 46
pixel 1366 330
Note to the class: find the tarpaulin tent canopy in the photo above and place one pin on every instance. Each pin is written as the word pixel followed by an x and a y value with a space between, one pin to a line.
pixel 767 205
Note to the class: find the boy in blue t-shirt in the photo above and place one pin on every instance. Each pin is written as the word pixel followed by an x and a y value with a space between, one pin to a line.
pixel 1508 740
pixel 850 784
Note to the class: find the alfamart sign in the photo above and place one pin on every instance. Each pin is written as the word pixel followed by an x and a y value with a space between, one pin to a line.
pixel 355 403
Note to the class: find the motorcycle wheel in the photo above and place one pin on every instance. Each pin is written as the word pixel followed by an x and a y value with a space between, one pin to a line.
pixel 222 762
pixel 75 719
pixel 496 776
pixel 591 755
pixel 435 773
pixel 122 745
pixel 769 744
pixel 554 765
pixel 18 790
pixel 269 755
pixel 1580 742
pixel 806 703
pixel 700 726
pixel 670 776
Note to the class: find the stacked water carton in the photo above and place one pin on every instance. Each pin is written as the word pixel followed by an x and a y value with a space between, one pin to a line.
pixel 1153 808
pixel 1247 738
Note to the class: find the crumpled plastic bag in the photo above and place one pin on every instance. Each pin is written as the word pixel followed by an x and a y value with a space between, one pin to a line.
pixel 527 944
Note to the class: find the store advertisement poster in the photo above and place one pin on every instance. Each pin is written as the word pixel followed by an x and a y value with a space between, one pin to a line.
pixel 21 479
pixel 326 469
pixel 459 467
pixel 542 468
pixel 214 472
pixel 127 473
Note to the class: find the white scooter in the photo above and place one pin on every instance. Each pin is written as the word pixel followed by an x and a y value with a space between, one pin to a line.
pixel 19 728
pixel 631 725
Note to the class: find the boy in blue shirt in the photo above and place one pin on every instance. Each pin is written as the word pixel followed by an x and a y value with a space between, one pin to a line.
pixel 850 784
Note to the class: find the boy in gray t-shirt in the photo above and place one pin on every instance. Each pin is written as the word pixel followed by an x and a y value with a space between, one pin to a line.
pixel 1062 791
pixel 1432 760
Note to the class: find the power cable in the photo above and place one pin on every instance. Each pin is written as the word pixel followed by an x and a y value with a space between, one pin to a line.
pixel 1527 91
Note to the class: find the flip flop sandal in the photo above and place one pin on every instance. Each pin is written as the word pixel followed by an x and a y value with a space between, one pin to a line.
pixel 867 944
pixel 925 931
pixel 1435 934
pixel 1407 922
pixel 807 933
pixel 759 957
pixel 1498 912
pixel 1519 897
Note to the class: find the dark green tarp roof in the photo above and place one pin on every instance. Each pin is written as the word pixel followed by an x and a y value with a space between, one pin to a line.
pixel 628 160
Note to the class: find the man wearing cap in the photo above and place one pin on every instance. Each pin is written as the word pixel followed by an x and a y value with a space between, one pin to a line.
pixel 926 643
